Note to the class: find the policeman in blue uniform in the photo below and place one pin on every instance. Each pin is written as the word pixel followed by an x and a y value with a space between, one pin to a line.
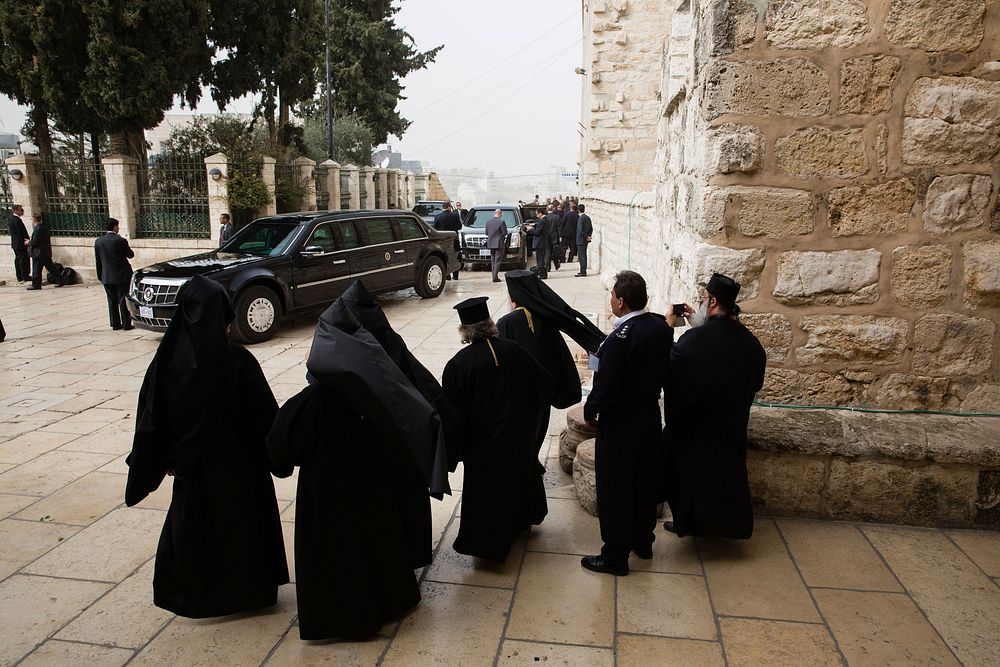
pixel 633 369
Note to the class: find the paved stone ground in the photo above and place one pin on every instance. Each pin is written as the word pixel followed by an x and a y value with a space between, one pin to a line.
pixel 76 566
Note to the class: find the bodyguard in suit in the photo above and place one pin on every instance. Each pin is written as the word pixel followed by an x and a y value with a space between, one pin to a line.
pixel 584 232
pixel 449 221
pixel 40 247
pixel 569 222
pixel 113 269
pixel 496 236
pixel 19 243
pixel 539 232
pixel 634 364
pixel 225 229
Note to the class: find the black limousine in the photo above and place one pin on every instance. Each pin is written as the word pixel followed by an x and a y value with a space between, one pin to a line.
pixel 284 263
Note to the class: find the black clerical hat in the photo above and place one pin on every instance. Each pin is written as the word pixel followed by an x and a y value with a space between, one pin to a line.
pixel 723 288
pixel 473 310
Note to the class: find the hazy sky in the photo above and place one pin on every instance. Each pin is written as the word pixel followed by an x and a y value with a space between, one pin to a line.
pixel 502 94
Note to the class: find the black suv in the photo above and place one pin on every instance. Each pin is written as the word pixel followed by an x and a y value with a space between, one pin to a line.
pixel 473 235
pixel 284 263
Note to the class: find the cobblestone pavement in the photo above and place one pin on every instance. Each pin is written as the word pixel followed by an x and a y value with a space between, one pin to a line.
pixel 76 565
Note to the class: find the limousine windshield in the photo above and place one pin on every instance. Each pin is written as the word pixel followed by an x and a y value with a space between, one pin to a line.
pixel 265 239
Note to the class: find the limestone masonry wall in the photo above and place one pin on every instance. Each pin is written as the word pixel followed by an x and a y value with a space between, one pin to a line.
pixel 841 159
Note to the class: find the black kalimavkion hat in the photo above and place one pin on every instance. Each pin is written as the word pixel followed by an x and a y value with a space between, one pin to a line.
pixel 723 288
pixel 473 310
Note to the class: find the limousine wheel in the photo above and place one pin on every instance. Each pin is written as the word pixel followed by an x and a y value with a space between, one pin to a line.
pixel 430 282
pixel 257 313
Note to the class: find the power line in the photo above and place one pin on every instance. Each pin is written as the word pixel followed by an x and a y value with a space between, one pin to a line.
pixel 497 105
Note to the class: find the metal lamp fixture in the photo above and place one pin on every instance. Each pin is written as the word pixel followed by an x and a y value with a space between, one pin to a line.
pixel 215 173
pixel 16 174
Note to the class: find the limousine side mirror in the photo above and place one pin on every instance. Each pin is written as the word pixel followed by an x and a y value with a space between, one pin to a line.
pixel 311 250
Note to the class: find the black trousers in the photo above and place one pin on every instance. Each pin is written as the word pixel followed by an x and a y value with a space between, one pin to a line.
pixel 22 264
pixel 569 244
pixel 542 261
pixel 626 469
pixel 582 250
pixel 555 256
pixel 496 254
pixel 36 270
pixel 118 312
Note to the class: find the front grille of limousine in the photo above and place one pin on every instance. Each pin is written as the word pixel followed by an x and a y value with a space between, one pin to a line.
pixel 156 292
pixel 475 241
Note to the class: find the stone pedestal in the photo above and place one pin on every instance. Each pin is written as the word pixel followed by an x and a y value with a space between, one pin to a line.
pixel 29 190
pixel 353 187
pixel 218 191
pixel 306 169
pixel 382 178
pixel 577 430
pixel 267 175
pixel 332 185
pixel 585 476
pixel 120 178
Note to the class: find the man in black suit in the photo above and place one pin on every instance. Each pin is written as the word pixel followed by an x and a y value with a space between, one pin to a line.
pixel 569 222
pixel 19 243
pixel 449 221
pixel 539 233
pixel 114 271
pixel 40 247
pixel 584 232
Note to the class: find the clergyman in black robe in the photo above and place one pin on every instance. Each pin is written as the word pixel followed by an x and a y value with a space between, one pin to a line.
pixel 415 506
pixel 500 392
pixel 351 432
pixel 529 324
pixel 716 369
pixel 204 410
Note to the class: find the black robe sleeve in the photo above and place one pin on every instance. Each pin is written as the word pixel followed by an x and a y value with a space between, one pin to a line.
pixel 256 402
pixel 451 385
pixel 686 370
pixel 293 432
pixel 149 460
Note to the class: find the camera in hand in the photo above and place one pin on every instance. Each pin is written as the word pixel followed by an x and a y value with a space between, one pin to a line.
pixel 678 310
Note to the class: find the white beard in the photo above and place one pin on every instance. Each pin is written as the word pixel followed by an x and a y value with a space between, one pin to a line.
pixel 701 315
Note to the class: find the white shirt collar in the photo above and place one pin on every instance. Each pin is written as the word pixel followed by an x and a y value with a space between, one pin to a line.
pixel 625 318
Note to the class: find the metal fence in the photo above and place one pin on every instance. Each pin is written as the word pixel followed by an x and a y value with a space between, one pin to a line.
pixel 345 191
pixel 173 199
pixel 289 189
pixel 322 195
pixel 75 197
pixel 378 190
pixel 363 186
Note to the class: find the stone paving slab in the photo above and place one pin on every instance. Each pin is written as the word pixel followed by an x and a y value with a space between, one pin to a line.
pixel 76 565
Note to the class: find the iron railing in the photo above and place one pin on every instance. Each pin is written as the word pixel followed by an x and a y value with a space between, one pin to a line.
pixel 173 199
pixel 363 186
pixel 345 191
pixel 75 198
pixel 378 190
pixel 289 188
pixel 319 183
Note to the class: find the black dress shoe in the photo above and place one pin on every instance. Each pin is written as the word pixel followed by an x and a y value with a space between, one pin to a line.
pixel 599 564
pixel 116 328
pixel 669 527
pixel 645 553
pixel 128 328
pixel 32 288
pixel 496 280
pixel 579 275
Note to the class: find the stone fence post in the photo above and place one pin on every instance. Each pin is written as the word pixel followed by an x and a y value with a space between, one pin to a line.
pixel 120 175
pixel 267 175
pixel 368 176
pixel 353 187
pixel 381 176
pixel 408 200
pixel 393 188
pixel 29 189
pixel 307 168
pixel 420 187
pixel 218 191
pixel 332 181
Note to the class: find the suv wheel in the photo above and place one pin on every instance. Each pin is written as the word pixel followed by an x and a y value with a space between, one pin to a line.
pixel 430 282
pixel 258 312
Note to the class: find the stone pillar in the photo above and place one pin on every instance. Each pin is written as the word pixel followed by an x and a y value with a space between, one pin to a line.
pixel 409 200
pixel 267 175
pixel 29 190
pixel 393 192
pixel 332 181
pixel 382 178
pixel 354 187
pixel 123 191
pixel 368 176
pixel 307 168
pixel 218 191
pixel 420 187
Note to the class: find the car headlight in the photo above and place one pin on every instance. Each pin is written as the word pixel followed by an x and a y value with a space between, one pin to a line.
pixel 515 240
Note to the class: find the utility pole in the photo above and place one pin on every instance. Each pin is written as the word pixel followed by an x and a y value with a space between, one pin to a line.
pixel 329 97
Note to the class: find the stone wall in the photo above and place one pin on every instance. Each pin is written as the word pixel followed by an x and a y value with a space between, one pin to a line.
pixel 841 159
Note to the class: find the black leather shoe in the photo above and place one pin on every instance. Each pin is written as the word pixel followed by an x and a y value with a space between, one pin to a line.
pixel 669 527
pixel 598 564
pixel 116 328
pixel 128 328
pixel 32 288
pixel 579 275
pixel 644 553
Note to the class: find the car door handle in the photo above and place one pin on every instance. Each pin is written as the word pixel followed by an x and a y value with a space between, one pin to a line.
pixel 398 252
pixel 340 261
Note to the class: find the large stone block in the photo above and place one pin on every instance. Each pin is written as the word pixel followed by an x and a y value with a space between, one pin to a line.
pixel 816 24
pixel 785 87
pixel 957 202
pixel 734 26
pixel 867 84
pixel 951 120
pixel 783 385
pixel 821 151
pixel 853 340
pixel 982 274
pixel 786 484
pixel 841 278
pixel 952 345
pixel 921 275
pixel 735 149
pixel 918 392
pixel 772 212
pixel 875 491
pixel 878 209
pixel 932 25
pixel 983 399
pixel 773 331
pixel 743 266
